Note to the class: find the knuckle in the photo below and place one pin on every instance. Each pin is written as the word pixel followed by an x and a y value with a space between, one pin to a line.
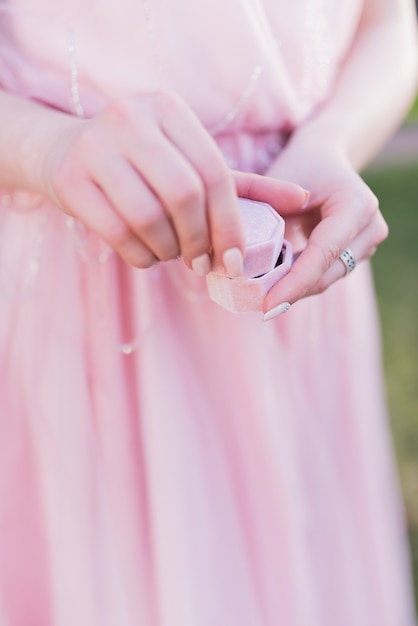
pixel 120 110
pixel 189 192
pixel 170 251
pixel 131 111
pixel 382 231
pixel 370 206
pixel 84 150
pixel 166 101
pixel 149 222
pixel 141 261
pixel 328 254
pixel 118 236
pixel 87 141
pixel 216 172
pixel 135 254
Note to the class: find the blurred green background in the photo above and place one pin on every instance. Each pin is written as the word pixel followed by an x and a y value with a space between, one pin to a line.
pixel 395 268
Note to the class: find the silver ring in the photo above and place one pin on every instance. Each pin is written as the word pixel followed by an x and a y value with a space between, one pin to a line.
pixel 347 257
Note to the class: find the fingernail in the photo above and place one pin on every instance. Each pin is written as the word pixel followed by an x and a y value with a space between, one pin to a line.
pixel 306 201
pixel 201 265
pixel 278 310
pixel 233 262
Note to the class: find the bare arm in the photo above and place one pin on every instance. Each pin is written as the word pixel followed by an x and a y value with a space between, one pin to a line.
pixel 373 92
pixel 376 84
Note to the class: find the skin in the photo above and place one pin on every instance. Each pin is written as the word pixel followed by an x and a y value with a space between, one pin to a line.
pixel 144 175
pixel 147 177
pixel 372 94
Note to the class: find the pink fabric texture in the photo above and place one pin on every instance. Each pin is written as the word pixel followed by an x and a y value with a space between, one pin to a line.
pixel 164 462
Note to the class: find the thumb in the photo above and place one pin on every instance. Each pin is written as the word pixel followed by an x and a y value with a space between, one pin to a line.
pixel 285 197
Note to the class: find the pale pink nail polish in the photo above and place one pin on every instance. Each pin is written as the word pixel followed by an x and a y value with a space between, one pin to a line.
pixel 306 202
pixel 233 262
pixel 277 310
pixel 201 265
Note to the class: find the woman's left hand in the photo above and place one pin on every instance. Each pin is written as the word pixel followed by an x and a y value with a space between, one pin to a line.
pixel 342 213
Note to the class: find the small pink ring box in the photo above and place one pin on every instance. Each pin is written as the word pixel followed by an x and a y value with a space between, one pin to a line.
pixel 268 258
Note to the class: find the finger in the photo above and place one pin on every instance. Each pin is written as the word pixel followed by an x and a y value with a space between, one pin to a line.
pixel 222 210
pixel 312 263
pixel 327 241
pixel 362 247
pixel 178 188
pixel 138 206
pixel 95 211
pixel 285 197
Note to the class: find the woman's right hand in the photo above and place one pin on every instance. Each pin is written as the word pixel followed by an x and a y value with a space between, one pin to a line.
pixel 147 177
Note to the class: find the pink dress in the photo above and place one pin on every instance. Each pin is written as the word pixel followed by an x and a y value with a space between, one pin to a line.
pixel 164 462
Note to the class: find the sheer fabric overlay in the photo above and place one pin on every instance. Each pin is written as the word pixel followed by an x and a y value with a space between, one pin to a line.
pixel 162 461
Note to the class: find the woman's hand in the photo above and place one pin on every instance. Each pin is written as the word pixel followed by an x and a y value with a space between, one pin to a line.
pixel 342 213
pixel 147 178
pixel 374 87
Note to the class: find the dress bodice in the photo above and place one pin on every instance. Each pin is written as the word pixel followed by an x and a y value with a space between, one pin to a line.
pixel 245 63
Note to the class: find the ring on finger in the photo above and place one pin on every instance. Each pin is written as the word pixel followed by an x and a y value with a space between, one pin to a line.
pixel 349 260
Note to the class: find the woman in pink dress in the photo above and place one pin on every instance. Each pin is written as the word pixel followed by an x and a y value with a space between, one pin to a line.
pixel 163 461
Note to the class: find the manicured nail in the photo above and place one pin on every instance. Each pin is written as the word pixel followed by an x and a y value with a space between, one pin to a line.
pixel 278 310
pixel 306 201
pixel 233 262
pixel 201 265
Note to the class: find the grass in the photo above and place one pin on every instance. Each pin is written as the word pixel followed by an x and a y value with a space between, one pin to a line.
pixel 413 113
pixel 396 276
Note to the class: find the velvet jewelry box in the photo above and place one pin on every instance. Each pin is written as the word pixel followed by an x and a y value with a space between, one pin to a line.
pixel 268 258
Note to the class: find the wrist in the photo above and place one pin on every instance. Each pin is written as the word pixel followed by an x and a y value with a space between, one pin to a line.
pixel 28 136
pixel 319 139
